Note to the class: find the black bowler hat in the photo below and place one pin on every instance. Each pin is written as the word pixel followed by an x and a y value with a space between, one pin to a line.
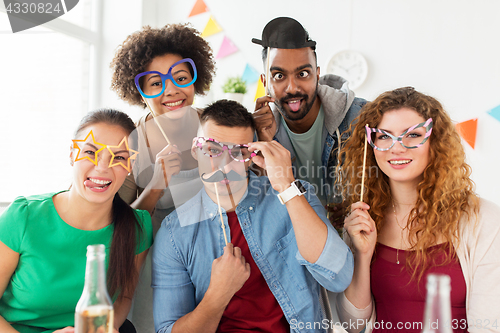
pixel 284 33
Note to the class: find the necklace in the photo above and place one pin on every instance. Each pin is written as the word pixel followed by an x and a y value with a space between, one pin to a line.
pixel 401 243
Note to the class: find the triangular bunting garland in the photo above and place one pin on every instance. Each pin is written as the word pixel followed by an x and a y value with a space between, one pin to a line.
pixel 211 28
pixel 198 8
pixel 495 113
pixel 467 130
pixel 250 75
pixel 261 91
pixel 227 47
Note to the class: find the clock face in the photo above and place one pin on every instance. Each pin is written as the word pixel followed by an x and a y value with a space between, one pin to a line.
pixel 350 65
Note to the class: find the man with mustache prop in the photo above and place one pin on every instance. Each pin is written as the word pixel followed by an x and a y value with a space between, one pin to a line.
pixel 281 253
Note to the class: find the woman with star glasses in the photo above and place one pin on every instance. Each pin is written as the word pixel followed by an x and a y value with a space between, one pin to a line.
pixel 161 70
pixel 420 215
pixel 44 238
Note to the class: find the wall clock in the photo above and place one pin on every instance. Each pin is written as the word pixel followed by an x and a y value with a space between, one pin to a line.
pixel 351 65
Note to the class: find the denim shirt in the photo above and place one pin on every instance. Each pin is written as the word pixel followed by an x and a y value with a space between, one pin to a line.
pixel 185 249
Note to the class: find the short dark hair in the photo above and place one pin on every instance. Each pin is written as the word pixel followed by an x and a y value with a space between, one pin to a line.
pixel 228 113
pixel 264 54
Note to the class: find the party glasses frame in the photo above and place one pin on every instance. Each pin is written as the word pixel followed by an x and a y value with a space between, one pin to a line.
pixel 200 140
pixel 95 161
pixel 427 124
pixel 164 78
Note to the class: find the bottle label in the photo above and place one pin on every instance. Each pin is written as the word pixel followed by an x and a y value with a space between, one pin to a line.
pixel 98 319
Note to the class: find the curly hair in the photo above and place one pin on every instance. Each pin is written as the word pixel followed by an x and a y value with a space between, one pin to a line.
pixel 140 48
pixel 445 193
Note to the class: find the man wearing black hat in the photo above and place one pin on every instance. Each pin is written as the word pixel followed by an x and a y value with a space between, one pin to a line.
pixel 310 112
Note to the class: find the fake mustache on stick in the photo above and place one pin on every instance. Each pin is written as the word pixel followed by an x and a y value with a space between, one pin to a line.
pixel 219 176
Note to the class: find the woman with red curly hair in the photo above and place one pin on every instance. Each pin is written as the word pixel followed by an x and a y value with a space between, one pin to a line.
pixel 419 215
pixel 161 70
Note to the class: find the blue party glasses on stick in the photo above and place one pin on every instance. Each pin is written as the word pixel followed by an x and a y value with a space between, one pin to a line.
pixel 152 84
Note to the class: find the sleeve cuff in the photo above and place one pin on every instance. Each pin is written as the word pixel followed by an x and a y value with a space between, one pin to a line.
pixel 334 254
pixel 346 307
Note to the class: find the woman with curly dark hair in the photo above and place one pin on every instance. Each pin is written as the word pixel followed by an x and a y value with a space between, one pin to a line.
pixel 420 215
pixel 162 70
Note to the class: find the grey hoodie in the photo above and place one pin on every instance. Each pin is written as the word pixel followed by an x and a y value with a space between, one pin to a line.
pixel 341 107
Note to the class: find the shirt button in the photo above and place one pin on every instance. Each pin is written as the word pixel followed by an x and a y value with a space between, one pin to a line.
pixel 251 208
pixel 211 215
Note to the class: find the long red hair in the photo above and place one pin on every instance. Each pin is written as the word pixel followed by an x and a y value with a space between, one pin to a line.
pixel 445 193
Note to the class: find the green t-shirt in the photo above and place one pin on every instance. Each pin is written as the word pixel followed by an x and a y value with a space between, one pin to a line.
pixel 48 281
pixel 308 148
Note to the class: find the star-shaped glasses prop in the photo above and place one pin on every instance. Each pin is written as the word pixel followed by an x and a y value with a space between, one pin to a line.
pixel 132 155
pixel 95 144
pixel 91 153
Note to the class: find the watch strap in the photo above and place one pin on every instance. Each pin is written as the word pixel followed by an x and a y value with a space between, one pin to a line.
pixel 291 192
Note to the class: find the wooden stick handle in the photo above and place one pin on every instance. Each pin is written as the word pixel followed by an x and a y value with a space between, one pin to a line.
pixel 268 75
pixel 220 213
pixel 364 167
pixel 164 172
pixel 156 121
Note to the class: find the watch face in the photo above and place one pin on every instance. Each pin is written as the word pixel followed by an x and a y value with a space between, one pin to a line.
pixel 301 188
pixel 350 65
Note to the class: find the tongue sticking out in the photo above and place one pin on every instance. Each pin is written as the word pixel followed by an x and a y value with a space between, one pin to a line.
pixel 295 105
pixel 91 184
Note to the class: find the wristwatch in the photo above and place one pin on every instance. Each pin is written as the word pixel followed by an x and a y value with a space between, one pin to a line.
pixel 295 189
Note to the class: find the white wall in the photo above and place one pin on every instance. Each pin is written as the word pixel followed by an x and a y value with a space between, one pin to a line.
pixel 120 18
pixel 446 48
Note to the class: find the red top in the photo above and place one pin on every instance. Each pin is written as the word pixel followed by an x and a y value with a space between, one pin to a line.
pixel 399 300
pixel 253 308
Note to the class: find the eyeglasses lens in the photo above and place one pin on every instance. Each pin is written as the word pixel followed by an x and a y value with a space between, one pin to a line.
pixel 182 75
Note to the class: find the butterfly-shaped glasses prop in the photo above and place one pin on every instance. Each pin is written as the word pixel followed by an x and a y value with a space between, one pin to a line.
pixel 90 149
pixel 215 149
pixel 223 172
pixel 413 137
pixel 152 84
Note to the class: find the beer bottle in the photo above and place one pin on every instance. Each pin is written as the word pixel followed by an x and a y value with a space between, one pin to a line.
pixel 437 315
pixel 94 311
